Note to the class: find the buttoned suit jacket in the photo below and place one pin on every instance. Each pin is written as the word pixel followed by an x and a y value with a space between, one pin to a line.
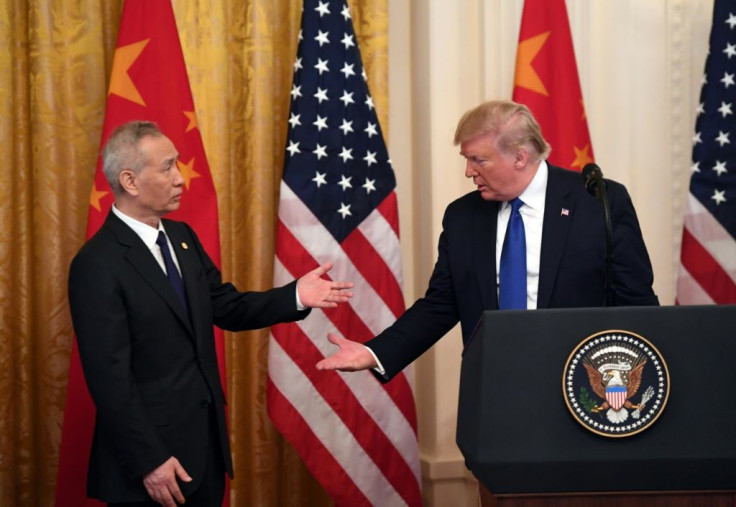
pixel 150 366
pixel 571 272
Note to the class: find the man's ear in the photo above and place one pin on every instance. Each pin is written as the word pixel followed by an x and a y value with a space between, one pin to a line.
pixel 128 181
pixel 521 157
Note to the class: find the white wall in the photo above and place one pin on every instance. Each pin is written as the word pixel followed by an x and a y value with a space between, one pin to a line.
pixel 640 64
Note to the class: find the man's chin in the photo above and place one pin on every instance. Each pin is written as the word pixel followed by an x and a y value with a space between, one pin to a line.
pixel 175 205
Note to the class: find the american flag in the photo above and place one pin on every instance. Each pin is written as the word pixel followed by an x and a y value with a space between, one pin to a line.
pixel 708 258
pixel 338 203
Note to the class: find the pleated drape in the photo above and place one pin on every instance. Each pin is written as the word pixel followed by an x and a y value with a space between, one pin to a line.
pixel 55 58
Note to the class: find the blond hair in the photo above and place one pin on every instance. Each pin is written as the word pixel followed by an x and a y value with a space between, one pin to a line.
pixel 513 125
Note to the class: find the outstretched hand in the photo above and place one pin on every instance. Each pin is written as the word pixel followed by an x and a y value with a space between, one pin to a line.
pixel 352 356
pixel 316 292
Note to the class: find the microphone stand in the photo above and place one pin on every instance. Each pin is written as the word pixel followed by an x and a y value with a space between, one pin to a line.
pixel 600 193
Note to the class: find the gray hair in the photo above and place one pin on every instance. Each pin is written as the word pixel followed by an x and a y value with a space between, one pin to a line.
pixel 513 125
pixel 122 151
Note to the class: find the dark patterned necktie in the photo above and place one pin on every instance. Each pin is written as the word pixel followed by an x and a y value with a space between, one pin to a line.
pixel 512 272
pixel 171 272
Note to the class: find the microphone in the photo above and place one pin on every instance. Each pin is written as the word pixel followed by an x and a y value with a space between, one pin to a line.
pixel 592 177
pixel 596 186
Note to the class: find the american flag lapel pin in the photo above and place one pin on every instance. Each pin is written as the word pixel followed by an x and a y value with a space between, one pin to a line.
pixel 564 212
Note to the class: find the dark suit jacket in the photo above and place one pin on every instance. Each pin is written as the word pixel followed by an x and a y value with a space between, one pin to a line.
pixel 151 368
pixel 571 273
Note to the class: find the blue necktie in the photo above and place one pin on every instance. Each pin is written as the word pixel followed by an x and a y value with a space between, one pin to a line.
pixel 512 272
pixel 171 272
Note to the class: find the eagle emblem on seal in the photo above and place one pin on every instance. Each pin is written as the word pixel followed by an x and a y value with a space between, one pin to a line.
pixel 615 383
pixel 615 374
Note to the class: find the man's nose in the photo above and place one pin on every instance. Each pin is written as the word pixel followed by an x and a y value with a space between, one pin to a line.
pixel 469 169
pixel 178 178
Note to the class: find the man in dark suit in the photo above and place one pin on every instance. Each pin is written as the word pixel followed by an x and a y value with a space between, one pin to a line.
pixel 143 315
pixel 565 243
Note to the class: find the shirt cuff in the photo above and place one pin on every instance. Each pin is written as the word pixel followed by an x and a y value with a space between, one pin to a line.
pixel 299 305
pixel 379 367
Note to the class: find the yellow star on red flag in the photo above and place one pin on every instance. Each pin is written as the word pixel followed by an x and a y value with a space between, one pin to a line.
pixel 526 76
pixel 193 124
pixel 120 82
pixel 95 196
pixel 584 117
pixel 187 171
pixel 582 156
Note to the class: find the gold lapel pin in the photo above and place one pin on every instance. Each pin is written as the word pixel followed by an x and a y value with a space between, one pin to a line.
pixel 184 246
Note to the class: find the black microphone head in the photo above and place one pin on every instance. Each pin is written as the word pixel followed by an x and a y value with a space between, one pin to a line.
pixel 591 174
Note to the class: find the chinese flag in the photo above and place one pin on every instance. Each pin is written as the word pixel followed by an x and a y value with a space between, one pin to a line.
pixel 148 82
pixel 546 80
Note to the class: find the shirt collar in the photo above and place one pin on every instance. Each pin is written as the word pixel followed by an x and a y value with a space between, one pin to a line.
pixel 534 194
pixel 147 233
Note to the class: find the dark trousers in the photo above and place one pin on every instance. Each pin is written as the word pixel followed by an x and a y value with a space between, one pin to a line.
pixel 212 488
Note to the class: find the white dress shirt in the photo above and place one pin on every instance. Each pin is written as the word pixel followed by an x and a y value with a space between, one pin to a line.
pixel 532 214
pixel 149 235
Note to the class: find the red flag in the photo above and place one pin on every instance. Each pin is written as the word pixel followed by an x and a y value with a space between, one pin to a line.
pixel 546 81
pixel 338 203
pixel 708 258
pixel 148 82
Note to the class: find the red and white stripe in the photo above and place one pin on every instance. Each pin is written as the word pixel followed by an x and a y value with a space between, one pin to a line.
pixel 616 399
pixel 708 260
pixel 356 435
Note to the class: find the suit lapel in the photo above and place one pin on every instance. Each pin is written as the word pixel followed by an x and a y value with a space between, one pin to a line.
pixel 558 213
pixel 485 223
pixel 141 260
pixel 188 262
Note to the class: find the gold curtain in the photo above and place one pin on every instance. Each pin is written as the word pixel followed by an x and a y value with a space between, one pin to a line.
pixel 56 58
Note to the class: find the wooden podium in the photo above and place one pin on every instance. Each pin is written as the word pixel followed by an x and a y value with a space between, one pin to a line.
pixel 523 444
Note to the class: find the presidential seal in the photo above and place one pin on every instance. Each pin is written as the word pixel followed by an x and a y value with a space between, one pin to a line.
pixel 616 383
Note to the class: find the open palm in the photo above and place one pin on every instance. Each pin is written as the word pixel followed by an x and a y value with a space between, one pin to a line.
pixel 352 356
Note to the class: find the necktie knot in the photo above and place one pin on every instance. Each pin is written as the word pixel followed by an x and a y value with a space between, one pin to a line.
pixel 516 204
pixel 161 240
